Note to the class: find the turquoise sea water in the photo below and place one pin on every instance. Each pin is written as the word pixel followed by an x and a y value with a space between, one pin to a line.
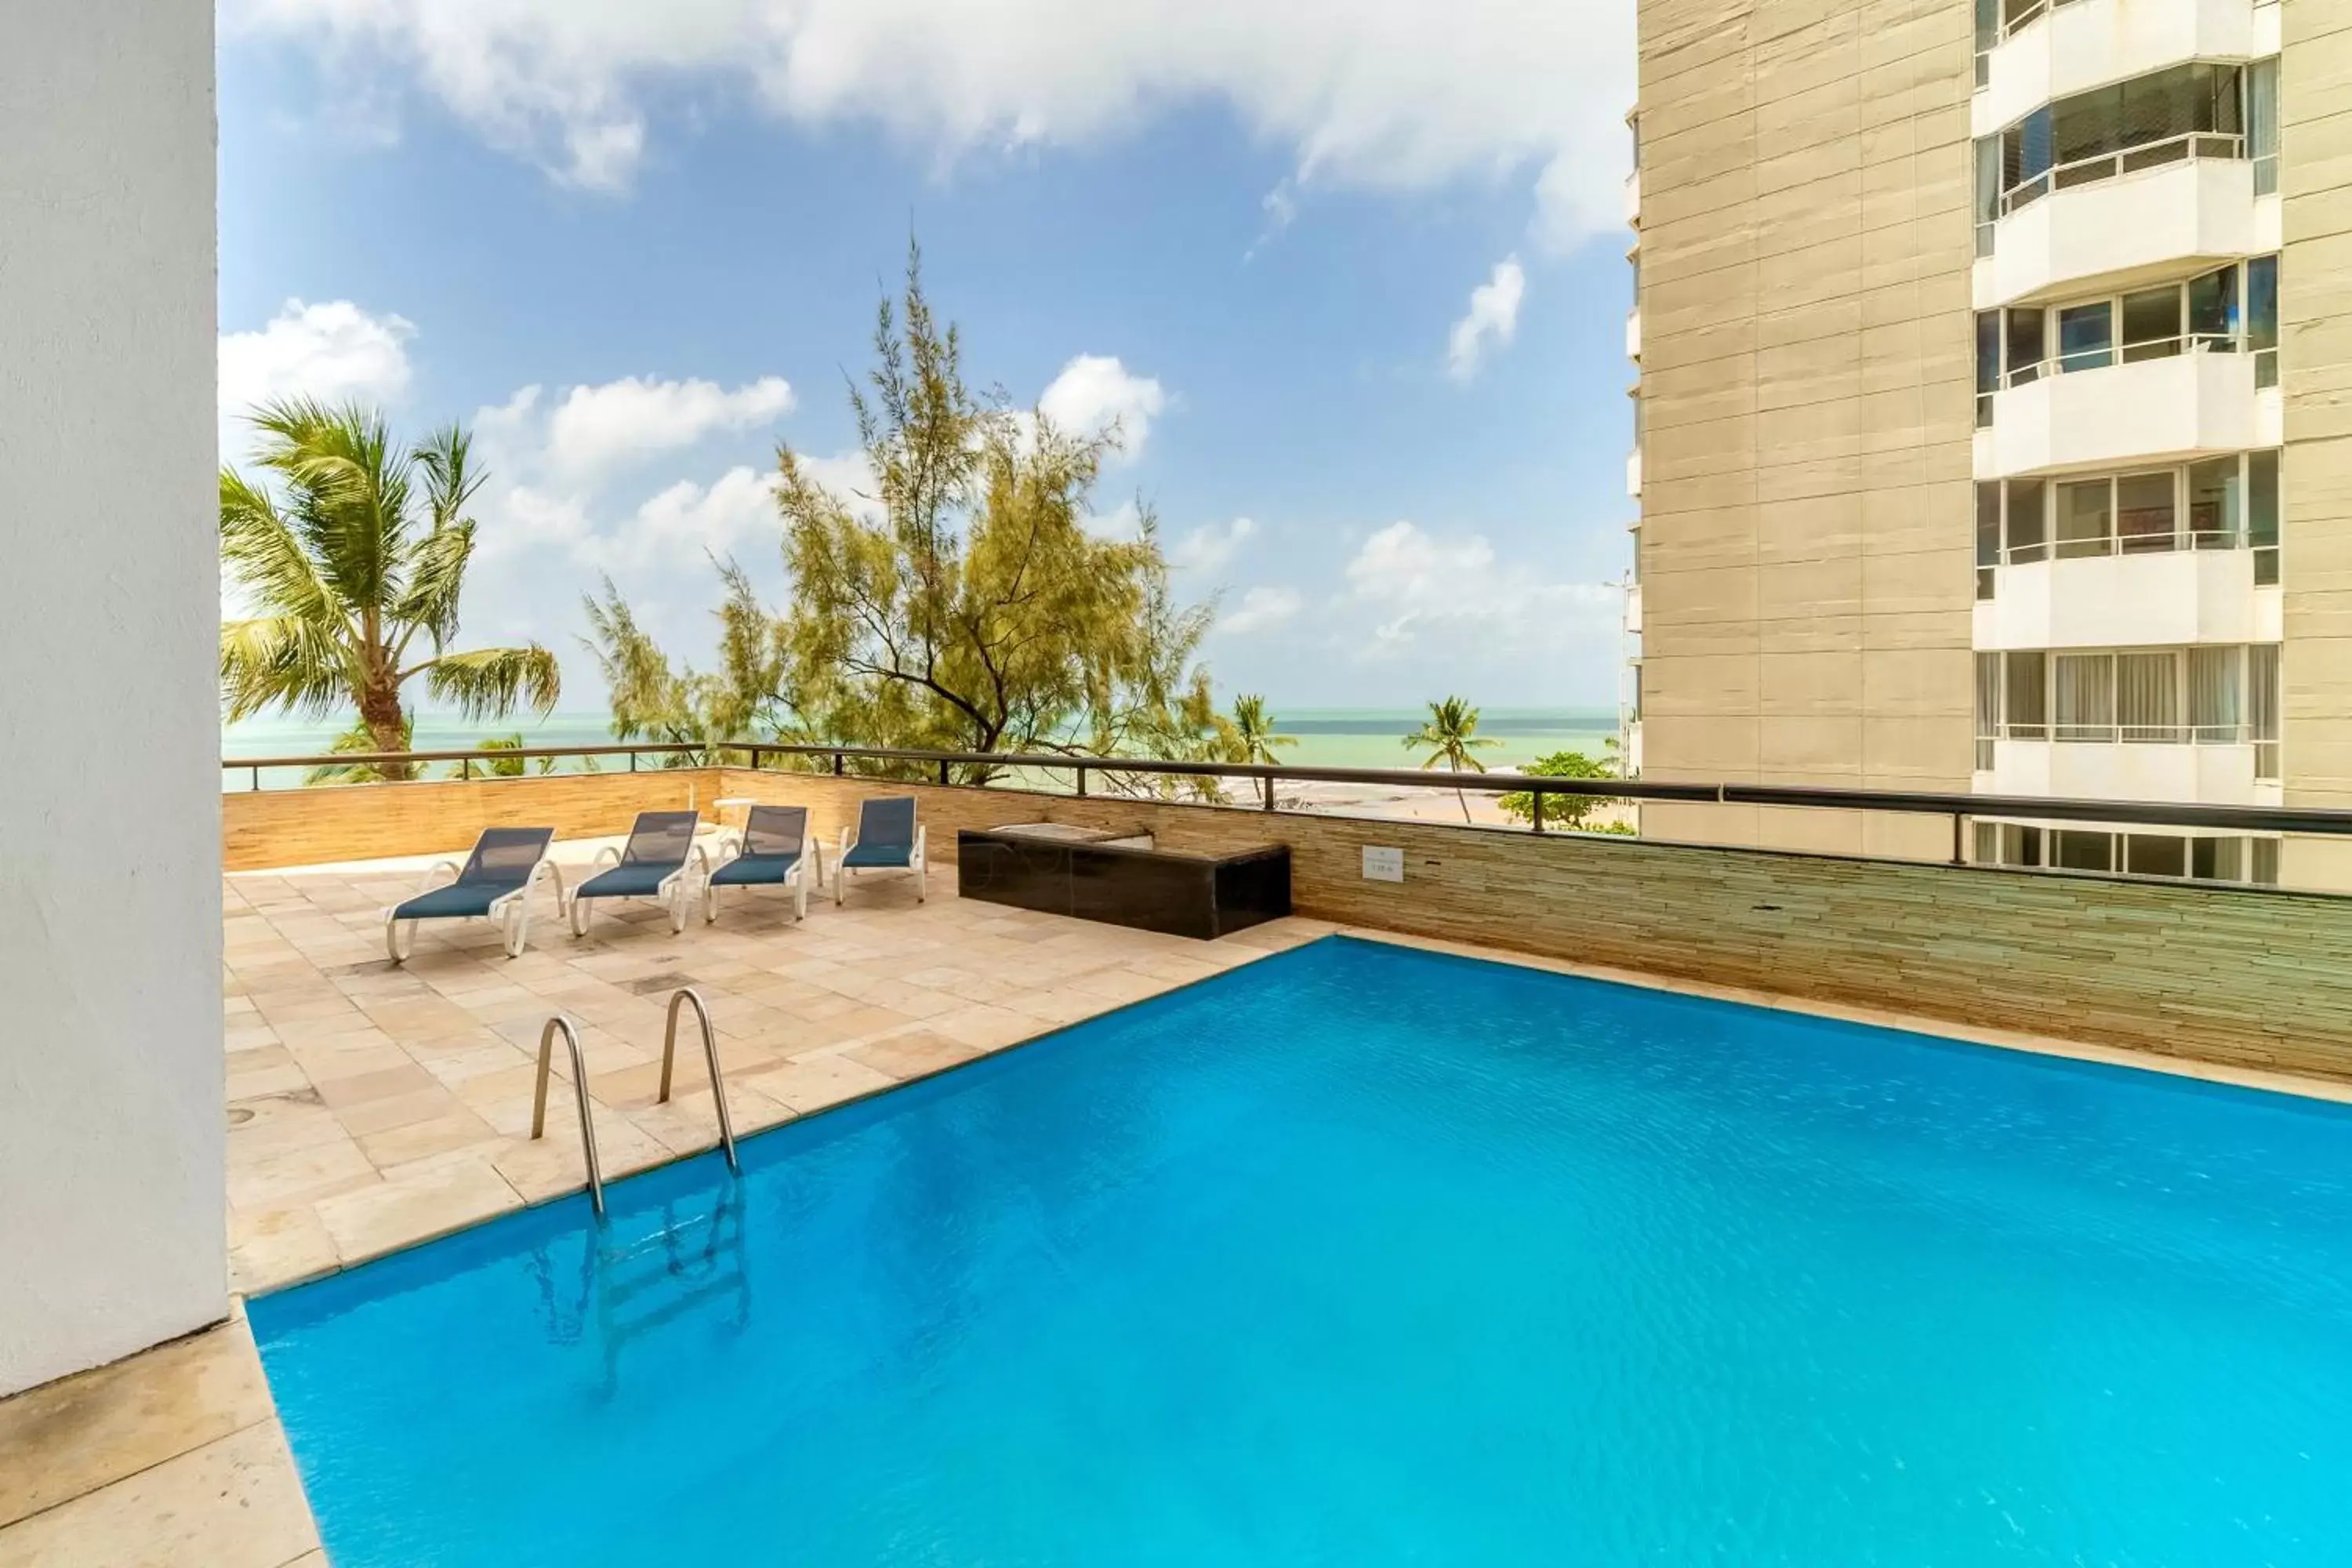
pixel 1327 737
pixel 1365 1256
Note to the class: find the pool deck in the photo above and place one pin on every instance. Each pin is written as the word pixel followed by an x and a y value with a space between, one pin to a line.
pixel 374 1108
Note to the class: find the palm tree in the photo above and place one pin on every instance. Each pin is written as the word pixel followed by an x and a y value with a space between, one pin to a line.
pixel 353 567
pixel 1254 736
pixel 1449 737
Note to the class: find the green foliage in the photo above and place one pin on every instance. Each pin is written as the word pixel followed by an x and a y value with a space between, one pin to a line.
pixel 1570 811
pixel 961 606
pixel 1450 736
pixel 513 767
pixel 352 554
pixel 1254 731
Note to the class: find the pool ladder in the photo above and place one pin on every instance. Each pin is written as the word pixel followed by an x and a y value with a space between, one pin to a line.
pixel 558 1024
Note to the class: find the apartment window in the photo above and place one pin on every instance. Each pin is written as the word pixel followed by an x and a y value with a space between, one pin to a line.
pixel 2028 521
pixel 2213 505
pixel 2086 336
pixel 1988 537
pixel 2262 709
pixel 2217 859
pixel 2148 698
pixel 2026 695
pixel 2086 522
pixel 2151 324
pixel 2084 692
pixel 2216 679
pixel 1987 204
pixel 2145 514
pixel 1987 364
pixel 2080 849
pixel 2156 855
pixel 2261 318
pixel 2262 123
pixel 2262 514
pixel 2264 869
pixel 2022 348
pixel 1987 707
pixel 2194 110
pixel 1988 35
pixel 2214 308
pixel 2147 323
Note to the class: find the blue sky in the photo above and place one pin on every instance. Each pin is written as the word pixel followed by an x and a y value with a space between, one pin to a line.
pixel 1352 280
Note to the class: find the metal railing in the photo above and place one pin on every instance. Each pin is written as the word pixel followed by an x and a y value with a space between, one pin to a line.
pixel 2186 146
pixel 560 1024
pixel 985 769
pixel 685 994
pixel 2116 733
pixel 2172 541
pixel 2107 355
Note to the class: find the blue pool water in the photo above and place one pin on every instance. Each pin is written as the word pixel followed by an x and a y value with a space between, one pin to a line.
pixel 1365 1256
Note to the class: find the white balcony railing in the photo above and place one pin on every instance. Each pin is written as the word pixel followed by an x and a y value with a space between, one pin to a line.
pixel 1633 473
pixel 2088 597
pixel 2113 233
pixel 2046 50
pixel 2144 401
pixel 2104 766
pixel 1633 609
pixel 1633 333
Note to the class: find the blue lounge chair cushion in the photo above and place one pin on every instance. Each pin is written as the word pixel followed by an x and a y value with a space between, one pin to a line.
pixel 626 883
pixel 457 902
pixel 874 855
pixel 754 870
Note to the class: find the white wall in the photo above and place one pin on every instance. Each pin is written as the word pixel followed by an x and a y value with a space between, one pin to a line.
pixel 112 1219
pixel 2090 42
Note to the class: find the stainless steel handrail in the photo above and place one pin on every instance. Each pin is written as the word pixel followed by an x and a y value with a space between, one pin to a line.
pixel 559 1024
pixel 2114 354
pixel 2132 160
pixel 684 995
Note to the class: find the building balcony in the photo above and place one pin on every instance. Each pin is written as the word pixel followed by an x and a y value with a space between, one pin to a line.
pixel 2047 51
pixel 1633 749
pixel 1633 334
pixel 1633 473
pixel 1633 199
pixel 2177 407
pixel 1633 609
pixel 2126 230
pixel 2174 772
pixel 2173 598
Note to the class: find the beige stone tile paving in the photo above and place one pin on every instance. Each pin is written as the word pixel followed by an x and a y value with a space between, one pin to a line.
pixel 372 1108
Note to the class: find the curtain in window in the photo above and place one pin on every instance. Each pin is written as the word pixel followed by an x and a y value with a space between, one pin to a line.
pixel 2262 514
pixel 2214 308
pixel 2087 696
pixel 2262 707
pixel 2216 676
pixel 1987 669
pixel 2262 123
pixel 2148 696
pixel 2024 695
pixel 2214 507
pixel 1988 191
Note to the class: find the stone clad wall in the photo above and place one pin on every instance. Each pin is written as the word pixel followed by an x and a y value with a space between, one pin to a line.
pixel 2253 978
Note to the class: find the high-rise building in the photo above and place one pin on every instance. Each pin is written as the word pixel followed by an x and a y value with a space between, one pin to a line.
pixel 1994 418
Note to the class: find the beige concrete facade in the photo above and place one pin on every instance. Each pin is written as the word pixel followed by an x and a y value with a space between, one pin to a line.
pixel 1806 387
pixel 1810 448
pixel 2316 374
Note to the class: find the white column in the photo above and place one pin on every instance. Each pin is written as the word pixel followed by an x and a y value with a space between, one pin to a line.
pixel 112 1217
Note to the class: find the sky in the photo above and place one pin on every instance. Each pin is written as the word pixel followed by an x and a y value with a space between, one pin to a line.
pixel 1349 275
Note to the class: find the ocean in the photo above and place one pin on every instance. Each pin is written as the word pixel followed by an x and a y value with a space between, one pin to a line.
pixel 1327 737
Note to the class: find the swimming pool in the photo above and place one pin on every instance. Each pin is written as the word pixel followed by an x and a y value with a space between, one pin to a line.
pixel 1365 1255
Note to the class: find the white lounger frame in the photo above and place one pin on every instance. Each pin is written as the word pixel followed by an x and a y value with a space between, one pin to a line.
pixel 812 856
pixel 673 892
pixel 510 911
pixel 915 863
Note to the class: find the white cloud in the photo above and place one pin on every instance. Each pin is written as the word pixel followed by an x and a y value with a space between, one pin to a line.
pixel 1210 547
pixel 332 350
pixel 1261 609
pixel 1491 321
pixel 597 430
pixel 1419 586
pixel 1094 393
pixel 1381 94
